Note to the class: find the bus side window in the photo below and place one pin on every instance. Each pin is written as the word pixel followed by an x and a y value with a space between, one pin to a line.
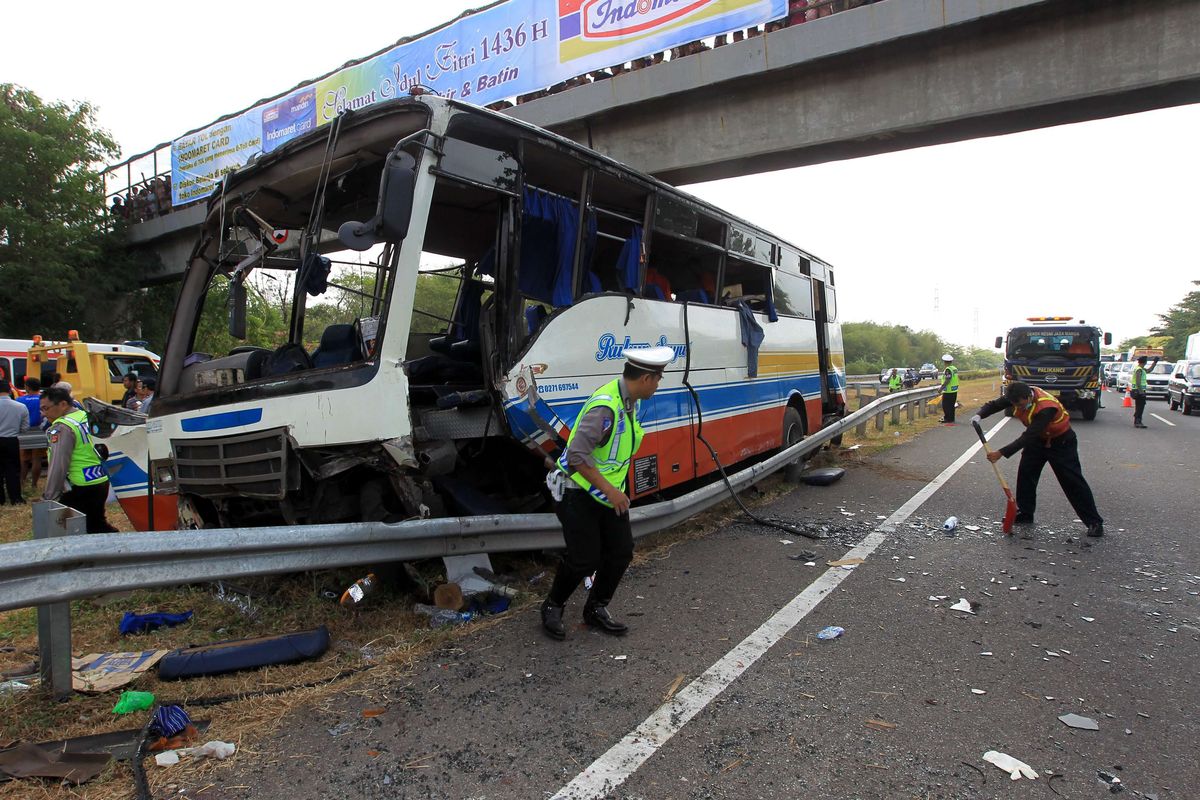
pixel 746 281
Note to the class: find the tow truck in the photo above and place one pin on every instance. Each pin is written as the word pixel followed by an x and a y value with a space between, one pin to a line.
pixel 93 370
pixel 1059 357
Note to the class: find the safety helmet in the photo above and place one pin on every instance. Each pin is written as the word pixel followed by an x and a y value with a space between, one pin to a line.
pixel 947 358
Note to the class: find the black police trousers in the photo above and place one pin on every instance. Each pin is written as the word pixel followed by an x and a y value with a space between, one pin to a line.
pixel 598 540
pixel 89 501
pixel 949 401
pixel 1062 454
pixel 1139 406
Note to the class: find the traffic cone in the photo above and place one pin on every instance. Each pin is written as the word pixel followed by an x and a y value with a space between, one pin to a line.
pixel 1128 401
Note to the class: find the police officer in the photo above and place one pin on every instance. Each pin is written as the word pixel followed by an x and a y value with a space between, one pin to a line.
pixel 76 475
pixel 1137 389
pixel 1047 438
pixel 595 506
pixel 895 381
pixel 949 389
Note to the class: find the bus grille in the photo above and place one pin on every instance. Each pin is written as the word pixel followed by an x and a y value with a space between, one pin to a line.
pixel 248 465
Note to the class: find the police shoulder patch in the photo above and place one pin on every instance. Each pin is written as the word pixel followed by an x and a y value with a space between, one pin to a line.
pixel 52 436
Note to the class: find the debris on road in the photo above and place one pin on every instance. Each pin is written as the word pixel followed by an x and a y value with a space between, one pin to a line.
pixel 879 724
pixel 133 701
pixel 978 691
pixel 831 632
pixel 950 524
pixel 964 604
pixel 133 623
pixel 1015 768
pixel 103 672
pixel 27 760
pixel 846 562
pixel 1077 721
pixel 822 476
pixel 239 654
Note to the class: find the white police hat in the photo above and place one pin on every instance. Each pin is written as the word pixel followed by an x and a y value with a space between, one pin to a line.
pixel 651 359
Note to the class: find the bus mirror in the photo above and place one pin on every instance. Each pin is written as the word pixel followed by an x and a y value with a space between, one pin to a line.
pixel 390 223
pixel 237 310
pixel 1108 338
pixel 999 342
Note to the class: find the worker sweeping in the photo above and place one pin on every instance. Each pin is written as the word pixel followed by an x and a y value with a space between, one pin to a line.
pixel 1047 438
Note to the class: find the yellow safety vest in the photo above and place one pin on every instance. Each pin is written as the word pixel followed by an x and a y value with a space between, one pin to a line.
pixel 952 386
pixel 85 468
pixel 612 458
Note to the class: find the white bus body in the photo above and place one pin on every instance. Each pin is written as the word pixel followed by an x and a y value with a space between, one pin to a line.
pixel 382 421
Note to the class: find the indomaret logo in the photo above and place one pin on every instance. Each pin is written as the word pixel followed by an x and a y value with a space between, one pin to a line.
pixel 608 19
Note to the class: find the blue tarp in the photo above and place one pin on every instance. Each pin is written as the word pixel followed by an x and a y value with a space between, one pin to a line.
pixel 141 623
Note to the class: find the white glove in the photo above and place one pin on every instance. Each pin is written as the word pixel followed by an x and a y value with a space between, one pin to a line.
pixel 975 420
pixel 1014 767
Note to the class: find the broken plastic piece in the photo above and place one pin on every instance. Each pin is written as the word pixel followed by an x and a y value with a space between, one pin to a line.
pixel 963 604
pixel 1076 721
pixel 133 701
pixel 823 476
pixel 1015 768
pixel 831 632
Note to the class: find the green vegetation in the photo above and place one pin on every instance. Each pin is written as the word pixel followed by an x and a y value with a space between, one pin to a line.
pixel 62 264
pixel 871 347
pixel 1178 323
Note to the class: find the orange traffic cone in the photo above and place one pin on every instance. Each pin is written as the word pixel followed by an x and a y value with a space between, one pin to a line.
pixel 1128 401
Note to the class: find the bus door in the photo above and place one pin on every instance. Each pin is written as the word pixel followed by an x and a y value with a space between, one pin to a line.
pixel 821 315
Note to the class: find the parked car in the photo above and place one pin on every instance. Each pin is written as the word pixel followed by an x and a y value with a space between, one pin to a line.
pixel 1183 388
pixel 928 371
pixel 1110 372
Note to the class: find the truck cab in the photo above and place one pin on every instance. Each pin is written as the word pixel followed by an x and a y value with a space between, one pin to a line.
pixel 1058 357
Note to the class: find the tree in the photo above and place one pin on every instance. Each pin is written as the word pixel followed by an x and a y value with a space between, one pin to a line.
pixel 61 265
pixel 1182 320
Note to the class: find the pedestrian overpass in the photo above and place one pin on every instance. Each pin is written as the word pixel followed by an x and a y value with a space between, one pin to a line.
pixel 889 76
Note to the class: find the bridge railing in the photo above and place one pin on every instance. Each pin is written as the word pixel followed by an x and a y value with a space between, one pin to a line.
pixel 59 565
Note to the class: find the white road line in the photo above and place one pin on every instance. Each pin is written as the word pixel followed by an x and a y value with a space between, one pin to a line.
pixel 1160 419
pixel 624 758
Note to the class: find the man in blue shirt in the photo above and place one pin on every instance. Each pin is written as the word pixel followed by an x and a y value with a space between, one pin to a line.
pixel 32 460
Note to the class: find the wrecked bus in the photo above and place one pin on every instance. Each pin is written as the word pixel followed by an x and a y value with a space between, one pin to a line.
pixel 557 260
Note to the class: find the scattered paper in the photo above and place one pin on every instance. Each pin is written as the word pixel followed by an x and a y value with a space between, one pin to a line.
pixel 962 605
pixel 978 691
pixel 846 562
pixel 1082 723
pixel 786 541
pixel 620 658
pixel 103 672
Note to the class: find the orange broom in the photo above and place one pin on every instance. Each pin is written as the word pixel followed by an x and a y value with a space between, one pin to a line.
pixel 1010 510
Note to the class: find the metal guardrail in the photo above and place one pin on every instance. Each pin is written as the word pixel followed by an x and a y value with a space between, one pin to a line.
pixel 53 570
pixel 59 565
pixel 33 441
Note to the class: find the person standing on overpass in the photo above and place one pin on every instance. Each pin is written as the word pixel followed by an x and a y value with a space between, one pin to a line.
pixel 1047 438
pixel 590 478
pixel 1137 390
pixel 949 389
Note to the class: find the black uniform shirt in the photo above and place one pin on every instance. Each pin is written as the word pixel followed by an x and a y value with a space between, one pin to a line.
pixel 1032 434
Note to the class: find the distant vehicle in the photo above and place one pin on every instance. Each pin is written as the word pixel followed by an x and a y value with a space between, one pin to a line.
pixel 1183 388
pixel 1058 357
pixel 1192 350
pixel 93 369
pixel 928 371
pixel 1149 352
pixel 1157 377
pixel 1111 370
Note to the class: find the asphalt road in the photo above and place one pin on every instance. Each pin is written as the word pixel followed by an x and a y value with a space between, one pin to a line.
pixel 1107 629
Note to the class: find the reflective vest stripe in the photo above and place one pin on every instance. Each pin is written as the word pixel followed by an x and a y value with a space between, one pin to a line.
pixel 1041 401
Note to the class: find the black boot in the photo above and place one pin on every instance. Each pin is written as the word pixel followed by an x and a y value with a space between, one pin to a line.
pixel 597 616
pixel 1096 530
pixel 552 620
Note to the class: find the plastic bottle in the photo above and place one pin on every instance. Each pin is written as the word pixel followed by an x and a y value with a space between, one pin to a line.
pixel 440 617
pixel 359 590
pixel 950 524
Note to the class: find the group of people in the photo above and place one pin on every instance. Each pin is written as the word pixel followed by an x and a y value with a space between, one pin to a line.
pixel 151 199
pixel 139 392
pixel 75 474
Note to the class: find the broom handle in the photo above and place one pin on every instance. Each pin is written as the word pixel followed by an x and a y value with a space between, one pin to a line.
pixel 986 449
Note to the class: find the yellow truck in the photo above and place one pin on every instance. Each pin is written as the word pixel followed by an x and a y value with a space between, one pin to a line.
pixel 93 370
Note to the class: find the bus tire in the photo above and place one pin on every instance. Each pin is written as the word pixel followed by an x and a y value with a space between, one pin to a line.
pixel 830 419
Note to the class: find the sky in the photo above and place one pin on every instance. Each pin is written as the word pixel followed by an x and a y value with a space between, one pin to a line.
pixel 1094 220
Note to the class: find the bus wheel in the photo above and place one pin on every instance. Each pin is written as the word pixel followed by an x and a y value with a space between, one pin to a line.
pixel 793 432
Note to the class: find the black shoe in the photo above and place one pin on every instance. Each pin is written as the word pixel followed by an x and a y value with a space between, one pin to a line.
pixel 598 617
pixel 1096 530
pixel 1023 519
pixel 1138 425
pixel 552 622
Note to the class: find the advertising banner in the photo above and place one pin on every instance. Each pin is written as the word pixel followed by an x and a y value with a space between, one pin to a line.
pixel 514 48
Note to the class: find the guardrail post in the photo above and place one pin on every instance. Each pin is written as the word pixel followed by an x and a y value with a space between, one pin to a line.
pixel 50 520
pixel 895 415
pixel 908 409
pixel 923 405
pixel 879 421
